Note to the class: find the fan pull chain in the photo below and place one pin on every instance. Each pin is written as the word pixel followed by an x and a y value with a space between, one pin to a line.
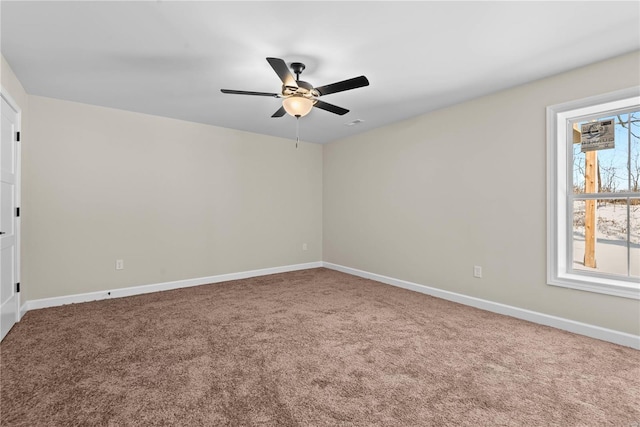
pixel 297 130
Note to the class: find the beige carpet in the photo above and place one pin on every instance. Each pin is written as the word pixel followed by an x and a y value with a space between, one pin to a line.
pixel 308 348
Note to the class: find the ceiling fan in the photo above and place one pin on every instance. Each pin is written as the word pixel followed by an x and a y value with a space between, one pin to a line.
pixel 299 97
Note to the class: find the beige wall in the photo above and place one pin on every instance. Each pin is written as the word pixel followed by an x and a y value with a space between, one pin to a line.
pixel 173 199
pixel 423 200
pixel 427 199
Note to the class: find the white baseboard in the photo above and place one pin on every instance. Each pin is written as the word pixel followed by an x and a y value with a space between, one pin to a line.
pixel 145 289
pixel 23 310
pixel 580 328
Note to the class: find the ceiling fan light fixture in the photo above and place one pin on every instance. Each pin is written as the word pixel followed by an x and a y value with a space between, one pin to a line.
pixel 297 105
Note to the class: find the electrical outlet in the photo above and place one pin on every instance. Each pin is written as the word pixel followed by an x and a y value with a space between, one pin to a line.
pixel 477 271
pixel 119 264
pixel 304 246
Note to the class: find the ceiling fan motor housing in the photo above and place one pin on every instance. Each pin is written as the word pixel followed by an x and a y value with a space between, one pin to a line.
pixel 304 89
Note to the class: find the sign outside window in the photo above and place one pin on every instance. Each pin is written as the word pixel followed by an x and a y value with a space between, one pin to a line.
pixel 597 135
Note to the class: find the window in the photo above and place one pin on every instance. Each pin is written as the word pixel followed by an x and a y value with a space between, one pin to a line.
pixel 593 194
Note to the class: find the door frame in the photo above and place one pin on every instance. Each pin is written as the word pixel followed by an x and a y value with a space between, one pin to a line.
pixel 18 192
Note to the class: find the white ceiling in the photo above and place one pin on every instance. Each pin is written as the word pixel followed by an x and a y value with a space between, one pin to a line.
pixel 171 58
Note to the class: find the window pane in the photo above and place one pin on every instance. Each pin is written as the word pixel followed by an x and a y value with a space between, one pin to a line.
pixel 634 172
pixel 634 210
pixel 600 236
pixel 607 170
pixel 612 163
pixel 578 169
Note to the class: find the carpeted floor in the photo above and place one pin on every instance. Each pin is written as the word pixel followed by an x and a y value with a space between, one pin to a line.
pixel 308 348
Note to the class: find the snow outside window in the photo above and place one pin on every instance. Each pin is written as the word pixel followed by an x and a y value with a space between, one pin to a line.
pixel 593 194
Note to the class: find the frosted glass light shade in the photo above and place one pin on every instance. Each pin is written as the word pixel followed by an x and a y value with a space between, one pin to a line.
pixel 297 105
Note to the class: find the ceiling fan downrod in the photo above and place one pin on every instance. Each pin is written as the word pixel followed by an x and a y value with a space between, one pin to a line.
pixel 298 68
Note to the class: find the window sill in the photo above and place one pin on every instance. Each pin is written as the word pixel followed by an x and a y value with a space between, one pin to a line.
pixel 597 284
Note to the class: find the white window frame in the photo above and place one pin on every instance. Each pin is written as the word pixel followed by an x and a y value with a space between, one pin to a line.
pixel 559 183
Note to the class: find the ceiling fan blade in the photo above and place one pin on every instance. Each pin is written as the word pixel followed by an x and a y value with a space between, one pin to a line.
pixel 281 112
pixel 281 69
pixel 245 92
pixel 331 108
pixel 353 83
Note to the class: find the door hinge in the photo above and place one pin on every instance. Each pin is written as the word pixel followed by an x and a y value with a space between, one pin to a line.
pixel 18 287
pixel 17 211
pixel 18 136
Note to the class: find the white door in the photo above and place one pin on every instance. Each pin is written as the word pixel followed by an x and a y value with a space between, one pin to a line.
pixel 9 297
